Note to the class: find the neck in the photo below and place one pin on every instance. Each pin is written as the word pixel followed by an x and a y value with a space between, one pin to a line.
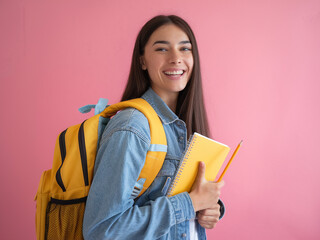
pixel 169 98
pixel 172 103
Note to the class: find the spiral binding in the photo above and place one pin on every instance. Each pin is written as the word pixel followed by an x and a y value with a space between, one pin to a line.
pixel 189 147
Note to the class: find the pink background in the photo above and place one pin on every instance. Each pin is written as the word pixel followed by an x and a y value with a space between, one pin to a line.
pixel 261 72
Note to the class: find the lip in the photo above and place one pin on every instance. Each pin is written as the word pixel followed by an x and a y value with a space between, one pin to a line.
pixel 174 69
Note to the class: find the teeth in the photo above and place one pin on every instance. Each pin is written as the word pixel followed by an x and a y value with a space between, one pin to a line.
pixel 174 72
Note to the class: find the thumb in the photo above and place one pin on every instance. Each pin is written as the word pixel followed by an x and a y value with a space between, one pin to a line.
pixel 201 173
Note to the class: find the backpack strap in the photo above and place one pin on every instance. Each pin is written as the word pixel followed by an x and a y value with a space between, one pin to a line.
pixel 158 149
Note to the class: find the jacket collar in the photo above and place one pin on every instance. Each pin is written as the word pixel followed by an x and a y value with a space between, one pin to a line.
pixel 164 112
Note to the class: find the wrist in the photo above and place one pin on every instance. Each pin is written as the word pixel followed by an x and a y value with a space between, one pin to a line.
pixel 194 202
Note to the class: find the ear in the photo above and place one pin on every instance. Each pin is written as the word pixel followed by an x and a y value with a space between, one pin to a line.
pixel 142 63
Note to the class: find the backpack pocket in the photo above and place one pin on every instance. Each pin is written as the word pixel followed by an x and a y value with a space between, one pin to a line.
pixel 64 219
pixel 42 198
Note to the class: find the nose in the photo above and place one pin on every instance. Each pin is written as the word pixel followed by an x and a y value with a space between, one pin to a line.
pixel 175 57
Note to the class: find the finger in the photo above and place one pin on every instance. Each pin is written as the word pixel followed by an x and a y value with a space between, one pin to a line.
pixel 207 225
pixel 203 224
pixel 206 218
pixel 203 217
pixel 209 221
pixel 221 183
pixel 201 173
pixel 210 211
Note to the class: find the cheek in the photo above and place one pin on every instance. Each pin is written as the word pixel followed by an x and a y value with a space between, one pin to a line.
pixel 189 61
pixel 154 66
pixel 190 64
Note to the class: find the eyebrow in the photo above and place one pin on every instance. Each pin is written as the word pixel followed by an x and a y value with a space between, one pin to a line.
pixel 166 42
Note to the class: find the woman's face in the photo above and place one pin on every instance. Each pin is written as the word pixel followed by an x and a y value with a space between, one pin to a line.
pixel 168 59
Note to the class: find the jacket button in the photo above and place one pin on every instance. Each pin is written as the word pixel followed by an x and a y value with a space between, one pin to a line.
pixel 181 138
pixel 183 235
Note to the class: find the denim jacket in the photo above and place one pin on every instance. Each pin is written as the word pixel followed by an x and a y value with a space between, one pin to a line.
pixel 111 210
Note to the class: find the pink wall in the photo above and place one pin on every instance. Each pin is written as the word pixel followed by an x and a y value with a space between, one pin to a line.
pixel 261 74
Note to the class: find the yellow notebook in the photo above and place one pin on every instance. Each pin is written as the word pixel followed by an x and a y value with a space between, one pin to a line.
pixel 200 148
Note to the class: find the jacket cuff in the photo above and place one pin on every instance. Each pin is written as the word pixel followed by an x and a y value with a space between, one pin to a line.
pixel 222 209
pixel 183 207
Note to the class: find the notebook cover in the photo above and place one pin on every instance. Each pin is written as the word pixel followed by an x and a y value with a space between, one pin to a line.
pixel 200 148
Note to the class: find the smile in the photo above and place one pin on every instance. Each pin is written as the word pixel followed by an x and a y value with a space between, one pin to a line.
pixel 174 73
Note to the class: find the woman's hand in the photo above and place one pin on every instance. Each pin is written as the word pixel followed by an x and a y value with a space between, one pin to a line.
pixel 205 194
pixel 208 218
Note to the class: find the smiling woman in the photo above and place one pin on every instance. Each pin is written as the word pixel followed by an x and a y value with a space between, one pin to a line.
pixel 165 71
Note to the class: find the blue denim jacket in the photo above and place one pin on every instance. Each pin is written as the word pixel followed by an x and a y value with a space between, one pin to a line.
pixel 111 210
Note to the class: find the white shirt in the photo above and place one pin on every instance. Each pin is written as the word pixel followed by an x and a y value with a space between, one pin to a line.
pixel 193 230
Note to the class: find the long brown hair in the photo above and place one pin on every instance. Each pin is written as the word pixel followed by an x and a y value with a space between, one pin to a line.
pixel 190 105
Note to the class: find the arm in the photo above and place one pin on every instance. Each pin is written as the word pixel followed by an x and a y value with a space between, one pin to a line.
pixel 110 212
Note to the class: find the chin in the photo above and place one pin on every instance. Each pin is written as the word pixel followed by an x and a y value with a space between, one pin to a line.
pixel 180 88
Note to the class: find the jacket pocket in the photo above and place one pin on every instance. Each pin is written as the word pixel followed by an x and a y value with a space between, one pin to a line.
pixel 162 182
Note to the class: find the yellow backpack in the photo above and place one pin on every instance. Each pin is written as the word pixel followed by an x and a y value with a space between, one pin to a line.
pixel 63 190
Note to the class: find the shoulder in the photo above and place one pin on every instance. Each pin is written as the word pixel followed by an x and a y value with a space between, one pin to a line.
pixel 132 120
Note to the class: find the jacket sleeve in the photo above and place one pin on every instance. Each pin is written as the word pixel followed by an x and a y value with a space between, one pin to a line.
pixel 110 211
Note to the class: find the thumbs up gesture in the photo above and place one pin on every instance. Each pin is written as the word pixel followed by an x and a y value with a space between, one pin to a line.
pixel 204 194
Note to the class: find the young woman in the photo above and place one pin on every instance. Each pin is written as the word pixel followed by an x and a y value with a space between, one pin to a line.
pixel 165 71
